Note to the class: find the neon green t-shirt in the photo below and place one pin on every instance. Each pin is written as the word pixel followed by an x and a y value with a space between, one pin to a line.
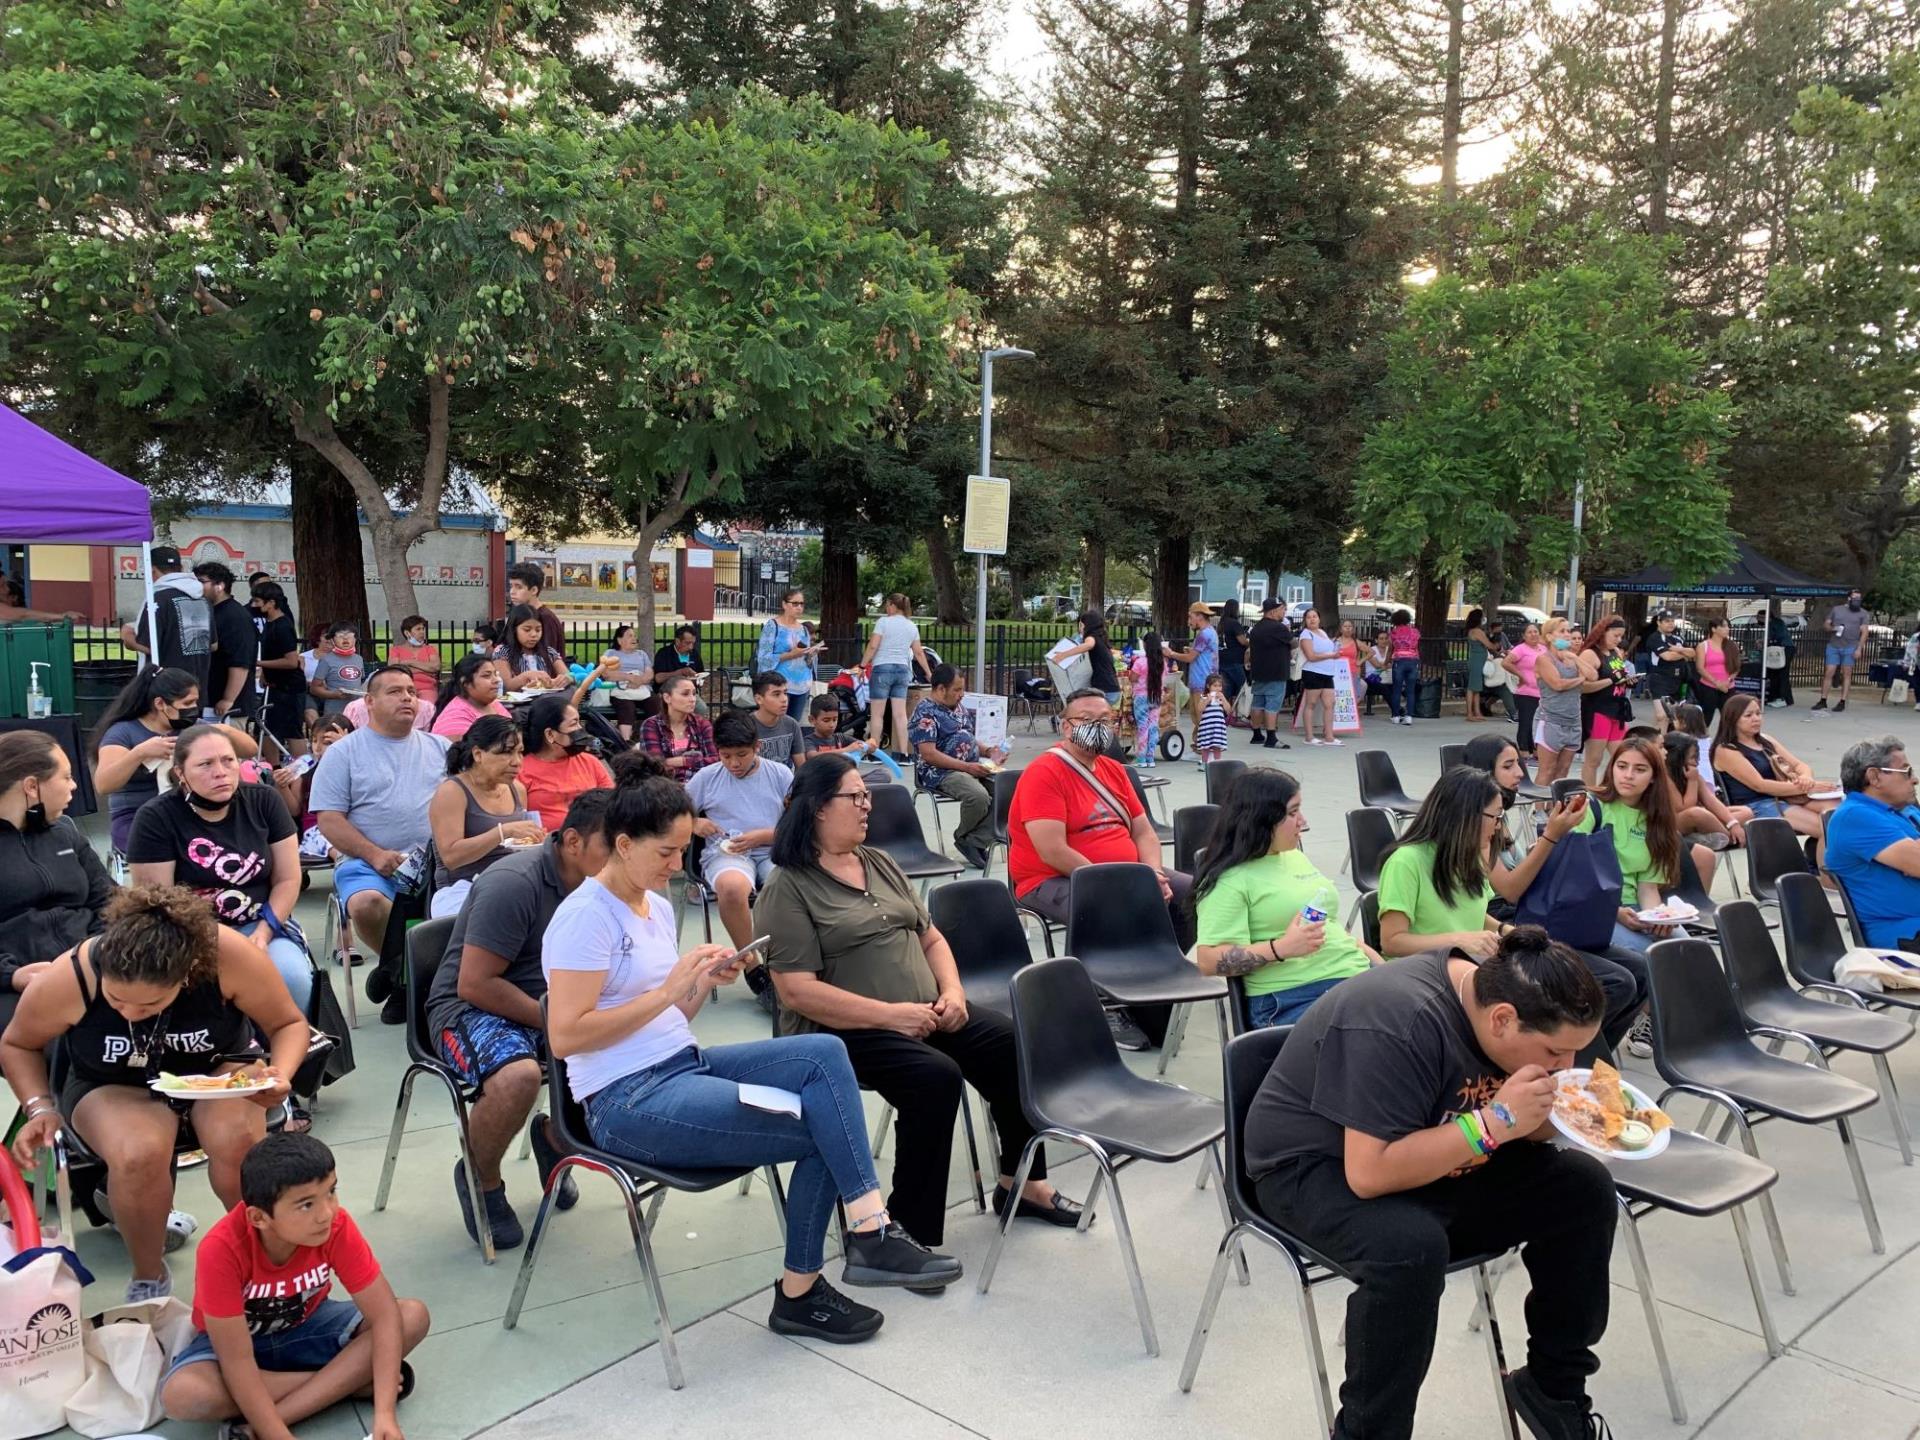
pixel 1255 902
pixel 1406 885
pixel 1629 843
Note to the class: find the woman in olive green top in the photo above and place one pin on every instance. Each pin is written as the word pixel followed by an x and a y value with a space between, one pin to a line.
pixel 1637 804
pixel 855 953
pixel 1250 895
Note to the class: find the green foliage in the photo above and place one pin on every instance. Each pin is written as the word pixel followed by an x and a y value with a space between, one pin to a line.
pixel 909 574
pixel 1552 356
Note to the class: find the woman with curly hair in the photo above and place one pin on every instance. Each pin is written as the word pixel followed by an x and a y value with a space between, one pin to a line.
pixel 164 989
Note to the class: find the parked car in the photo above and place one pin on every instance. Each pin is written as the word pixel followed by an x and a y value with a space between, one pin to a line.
pixel 1129 612
pixel 1052 607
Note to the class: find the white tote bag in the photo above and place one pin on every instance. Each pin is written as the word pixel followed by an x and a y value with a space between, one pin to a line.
pixel 128 1349
pixel 42 1359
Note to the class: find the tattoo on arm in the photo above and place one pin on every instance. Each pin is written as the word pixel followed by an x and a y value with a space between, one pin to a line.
pixel 1239 960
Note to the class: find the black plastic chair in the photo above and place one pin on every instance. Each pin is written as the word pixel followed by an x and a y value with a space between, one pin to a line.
pixel 1452 755
pixel 1701 1047
pixel 1247 1059
pixel 1239 1004
pixel 426 947
pixel 1761 990
pixel 1530 792
pixel 1163 830
pixel 1814 944
pixel 1692 1176
pixel 984 932
pixel 639 1184
pixel 893 825
pixel 1773 850
pixel 1370 835
pixel 1858 930
pixel 1192 829
pixel 1380 787
pixel 1003 785
pixel 1220 777
pixel 1369 908
pixel 1119 929
pixel 1690 889
pixel 1074 1087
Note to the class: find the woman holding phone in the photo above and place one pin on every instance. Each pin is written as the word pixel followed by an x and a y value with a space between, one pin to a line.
pixel 619 1001
pixel 786 647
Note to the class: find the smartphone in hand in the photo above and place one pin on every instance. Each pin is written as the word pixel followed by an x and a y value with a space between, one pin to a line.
pixel 749 951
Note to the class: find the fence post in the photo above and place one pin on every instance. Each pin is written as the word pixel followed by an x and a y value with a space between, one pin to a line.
pixel 1000 661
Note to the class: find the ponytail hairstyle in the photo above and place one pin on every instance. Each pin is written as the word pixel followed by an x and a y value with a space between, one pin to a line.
pixel 183 748
pixel 1156 664
pixel 1545 982
pixel 496 734
pixel 1690 719
pixel 1678 745
pixel 539 716
pixel 137 698
pixel 25 755
pixel 157 935
pixel 455 688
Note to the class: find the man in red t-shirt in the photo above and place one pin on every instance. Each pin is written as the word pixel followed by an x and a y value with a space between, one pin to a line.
pixel 273 1349
pixel 1058 822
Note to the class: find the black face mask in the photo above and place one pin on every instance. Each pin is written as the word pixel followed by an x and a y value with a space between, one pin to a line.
pixel 1508 797
pixel 201 803
pixel 36 819
pixel 179 724
pixel 578 743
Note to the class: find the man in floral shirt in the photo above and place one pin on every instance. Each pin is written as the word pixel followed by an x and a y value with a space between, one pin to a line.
pixel 947 761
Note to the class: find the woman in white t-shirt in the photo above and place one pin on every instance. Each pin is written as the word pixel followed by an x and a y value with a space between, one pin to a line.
pixel 1320 661
pixel 619 1003
pixel 893 650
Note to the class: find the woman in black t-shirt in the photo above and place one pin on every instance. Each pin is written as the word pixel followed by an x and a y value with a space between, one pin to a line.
pixel 161 989
pixel 233 844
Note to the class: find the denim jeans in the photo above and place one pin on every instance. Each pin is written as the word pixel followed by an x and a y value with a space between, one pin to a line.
pixel 293 965
pixel 1638 941
pixel 1283 1007
pixel 1406 674
pixel 686 1111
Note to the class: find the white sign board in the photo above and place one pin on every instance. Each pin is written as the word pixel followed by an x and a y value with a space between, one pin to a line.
pixel 1346 713
pixel 989 503
pixel 986 717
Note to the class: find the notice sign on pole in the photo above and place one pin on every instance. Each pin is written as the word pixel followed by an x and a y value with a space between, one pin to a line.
pixel 989 502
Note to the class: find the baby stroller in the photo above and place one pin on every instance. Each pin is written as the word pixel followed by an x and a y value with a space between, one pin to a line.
pixel 848 692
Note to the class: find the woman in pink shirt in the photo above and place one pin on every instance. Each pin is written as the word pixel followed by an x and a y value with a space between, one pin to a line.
pixel 1518 662
pixel 472 690
pixel 1404 642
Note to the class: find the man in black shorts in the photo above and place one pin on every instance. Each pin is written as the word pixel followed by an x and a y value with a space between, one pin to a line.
pixel 1404 1125
pixel 484 1008
pixel 280 668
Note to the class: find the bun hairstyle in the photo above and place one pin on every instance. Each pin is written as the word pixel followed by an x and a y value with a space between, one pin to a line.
pixel 157 935
pixel 464 671
pixel 489 733
pixel 540 716
pixel 1545 982
pixel 630 767
pixel 646 810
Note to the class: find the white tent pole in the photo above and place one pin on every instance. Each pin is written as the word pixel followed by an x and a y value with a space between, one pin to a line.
pixel 153 610
pixel 1766 628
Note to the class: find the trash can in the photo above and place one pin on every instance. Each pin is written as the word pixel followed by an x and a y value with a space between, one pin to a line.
pixel 25 643
pixel 95 683
pixel 1426 700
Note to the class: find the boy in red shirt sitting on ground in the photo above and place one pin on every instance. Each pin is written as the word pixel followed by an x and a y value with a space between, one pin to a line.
pixel 273 1349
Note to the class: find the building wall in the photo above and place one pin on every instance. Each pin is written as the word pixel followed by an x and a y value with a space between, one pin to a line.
pixel 457 572
pixel 1214 582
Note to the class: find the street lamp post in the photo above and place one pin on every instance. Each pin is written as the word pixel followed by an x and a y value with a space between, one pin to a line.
pixel 987 357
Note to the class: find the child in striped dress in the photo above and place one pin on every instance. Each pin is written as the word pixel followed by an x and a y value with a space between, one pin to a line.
pixel 1210 737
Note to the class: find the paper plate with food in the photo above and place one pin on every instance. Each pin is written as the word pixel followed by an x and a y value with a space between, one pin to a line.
pixel 1608 1115
pixel 513 844
pixel 1670 912
pixel 1830 792
pixel 233 1084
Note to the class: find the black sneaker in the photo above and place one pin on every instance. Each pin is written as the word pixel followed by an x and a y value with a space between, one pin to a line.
pixel 823 1313
pixel 1819 704
pixel 379 984
pixel 545 1156
pixel 893 1257
pixel 394 1012
pixel 507 1233
pixel 1551 1419
pixel 1126 1034
pixel 974 855
pixel 1841 706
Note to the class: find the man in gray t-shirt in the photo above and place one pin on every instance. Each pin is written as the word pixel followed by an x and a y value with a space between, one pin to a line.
pixel 739 801
pixel 370 795
pixel 777 733
pixel 1846 624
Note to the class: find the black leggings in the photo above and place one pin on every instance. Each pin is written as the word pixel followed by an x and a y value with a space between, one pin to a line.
pixel 1526 705
pixel 1558 1204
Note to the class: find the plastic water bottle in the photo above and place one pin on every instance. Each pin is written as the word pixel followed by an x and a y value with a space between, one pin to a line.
pixel 1325 900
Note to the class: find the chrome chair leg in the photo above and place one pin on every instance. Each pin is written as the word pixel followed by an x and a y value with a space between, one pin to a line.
pixel 476 1196
pixel 1496 1353
pixel 779 1194
pixel 1127 1257
pixel 746 1182
pixel 643 1247
pixel 1230 1245
pixel 526 1136
pixel 1738 1119
pixel 1220 1193
pixel 1890 1097
pixel 1740 1231
pixel 541 1220
pixel 880 1130
pixel 1501 1264
pixel 1847 1142
pixel 1176 1032
pixel 973 1153
pixel 1006 1219
pixel 400 1109
pixel 1643 1277
pixel 1316 1353
pixel 1086 1206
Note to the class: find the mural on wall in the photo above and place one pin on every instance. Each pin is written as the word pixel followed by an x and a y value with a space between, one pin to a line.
pixel 587 573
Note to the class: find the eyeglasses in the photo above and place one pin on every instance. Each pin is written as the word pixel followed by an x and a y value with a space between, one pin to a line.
pixel 1493 815
pixel 859 797
pixel 1895 769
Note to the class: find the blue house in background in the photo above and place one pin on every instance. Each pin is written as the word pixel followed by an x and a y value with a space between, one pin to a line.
pixel 1214 581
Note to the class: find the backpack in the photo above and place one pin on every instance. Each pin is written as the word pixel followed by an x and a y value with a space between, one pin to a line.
pixel 1576 896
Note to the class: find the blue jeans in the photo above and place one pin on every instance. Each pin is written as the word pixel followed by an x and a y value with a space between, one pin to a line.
pixel 686 1111
pixel 1406 675
pixel 310 1345
pixel 1637 941
pixel 293 965
pixel 1283 1007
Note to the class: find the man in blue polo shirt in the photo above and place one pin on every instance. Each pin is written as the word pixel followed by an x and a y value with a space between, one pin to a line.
pixel 1873 841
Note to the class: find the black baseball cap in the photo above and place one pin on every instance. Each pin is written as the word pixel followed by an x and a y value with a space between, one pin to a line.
pixel 165 557
pixel 1272 602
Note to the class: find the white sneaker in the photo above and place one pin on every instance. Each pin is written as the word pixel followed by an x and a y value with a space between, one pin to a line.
pixel 143 1290
pixel 1312 741
pixel 1334 742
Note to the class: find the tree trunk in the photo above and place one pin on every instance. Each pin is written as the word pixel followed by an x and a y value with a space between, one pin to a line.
pixel 839 597
pixel 1494 593
pixel 1171 562
pixel 949 604
pixel 1326 592
pixel 1430 602
pixel 1452 105
pixel 644 613
pixel 1660 163
pixel 1093 576
pixel 329 575
pixel 390 548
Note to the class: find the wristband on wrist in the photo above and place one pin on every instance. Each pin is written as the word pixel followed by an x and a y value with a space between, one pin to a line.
pixel 1469 1126
pixel 1486 1131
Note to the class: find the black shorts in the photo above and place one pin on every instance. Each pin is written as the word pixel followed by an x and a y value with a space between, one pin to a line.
pixel 1314 680
pixel 78 1087
pixel 286 714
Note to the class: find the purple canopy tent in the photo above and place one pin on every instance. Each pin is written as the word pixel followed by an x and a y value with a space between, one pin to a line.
pixel 53 493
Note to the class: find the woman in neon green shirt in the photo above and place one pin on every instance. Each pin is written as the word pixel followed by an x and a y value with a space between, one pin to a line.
pixel 1635 800
pixel 1249 895
pixel 1433 886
